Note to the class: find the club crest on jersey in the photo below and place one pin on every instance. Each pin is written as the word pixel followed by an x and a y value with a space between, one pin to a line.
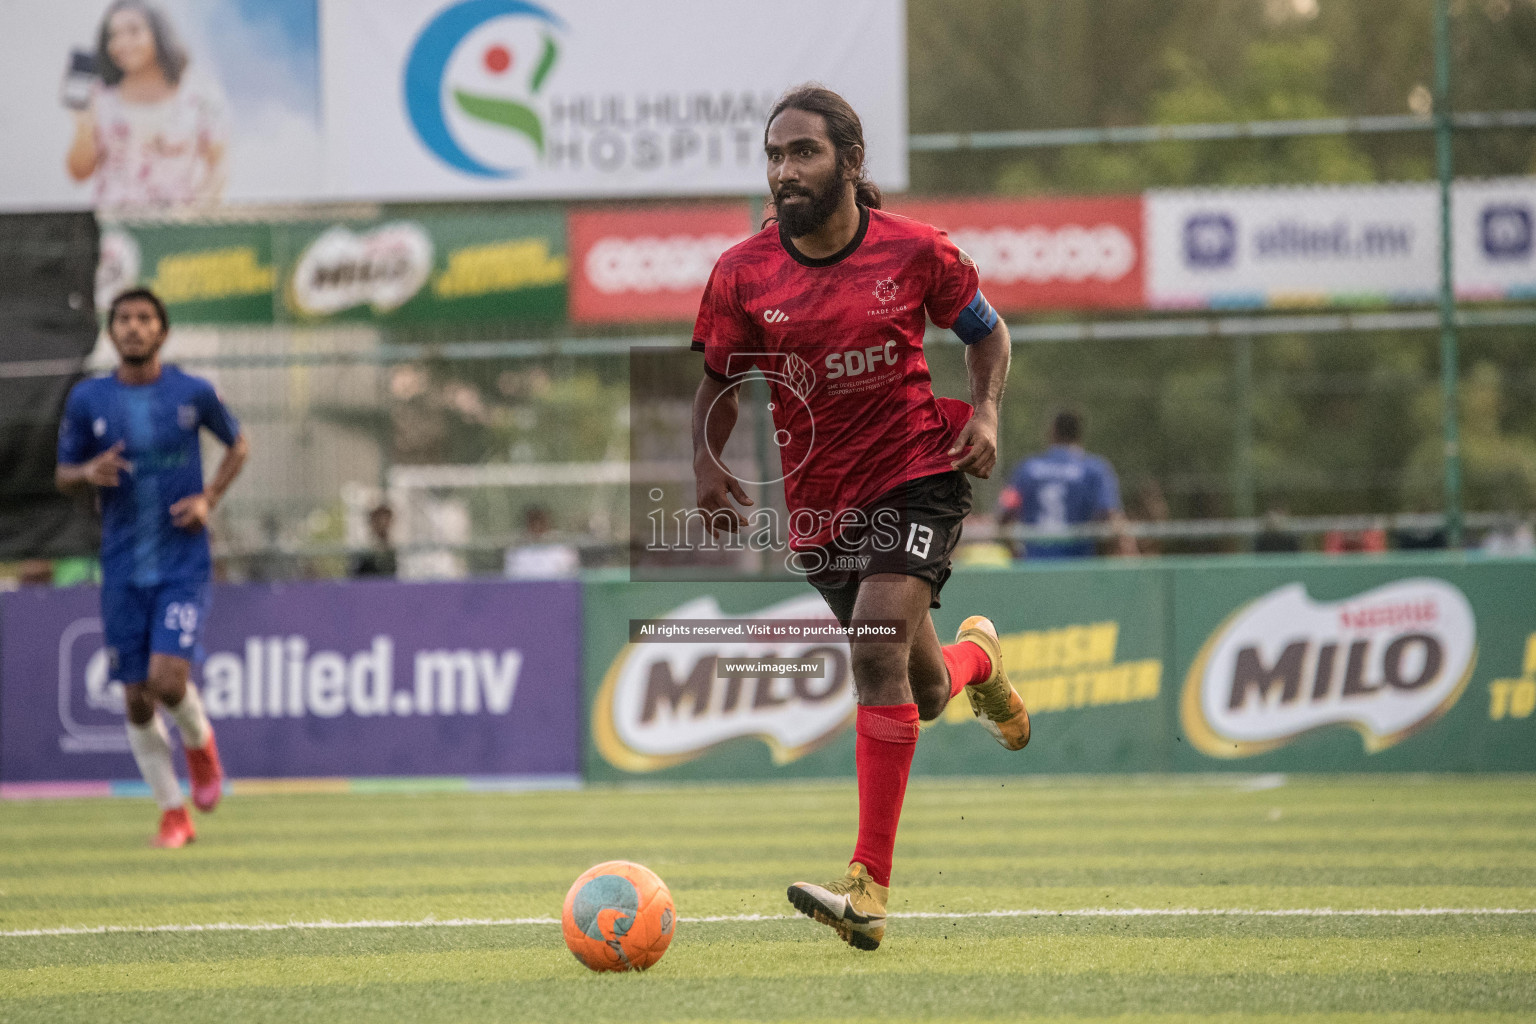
pixel 99 426
pixel 186 416
pixel 885 289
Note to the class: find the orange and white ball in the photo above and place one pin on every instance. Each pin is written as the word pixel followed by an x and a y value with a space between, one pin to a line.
pixel 618 917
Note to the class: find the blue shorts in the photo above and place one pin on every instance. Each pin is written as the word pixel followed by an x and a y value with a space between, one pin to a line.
pixel 138 621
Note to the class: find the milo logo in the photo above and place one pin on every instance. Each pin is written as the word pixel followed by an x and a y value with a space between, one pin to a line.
pixel 662 704
pixel 1386 663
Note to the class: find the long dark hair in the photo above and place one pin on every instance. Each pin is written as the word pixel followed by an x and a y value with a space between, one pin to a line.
pixel 169 53
pixel 843 127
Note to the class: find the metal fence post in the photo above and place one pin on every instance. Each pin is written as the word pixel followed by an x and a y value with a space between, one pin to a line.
pixel 1449 372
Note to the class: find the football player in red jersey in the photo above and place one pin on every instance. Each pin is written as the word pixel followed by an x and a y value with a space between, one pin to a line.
pixel 830 304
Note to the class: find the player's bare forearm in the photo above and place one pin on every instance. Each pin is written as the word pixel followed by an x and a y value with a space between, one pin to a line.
pixel 229 468
pixel 715 407
pixel 70 478
pixel 986 362
pixel 103 470
pixel 192 512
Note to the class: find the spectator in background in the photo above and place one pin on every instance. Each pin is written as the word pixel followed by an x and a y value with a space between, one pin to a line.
pixel 151 132
pixel 1064 487
pixel 541 557
pixel 379 559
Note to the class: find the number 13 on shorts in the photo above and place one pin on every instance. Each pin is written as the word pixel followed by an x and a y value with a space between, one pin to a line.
pixel 919 537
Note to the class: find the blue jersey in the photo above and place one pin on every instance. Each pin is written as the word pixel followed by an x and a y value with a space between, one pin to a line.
pixel 1061 487
pixel 158 424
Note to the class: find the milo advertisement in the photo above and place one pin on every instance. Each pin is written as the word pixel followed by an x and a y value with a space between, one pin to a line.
pixel 427 269
pixel 1085 648
pixel 1293 664
pixel 1403 664
pixel 404 266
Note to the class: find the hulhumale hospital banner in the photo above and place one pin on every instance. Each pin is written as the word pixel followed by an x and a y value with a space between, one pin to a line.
pixel 516 98
pixel 316 680
pixel 190 104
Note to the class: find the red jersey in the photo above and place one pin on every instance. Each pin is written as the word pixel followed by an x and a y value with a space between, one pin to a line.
pixel 840 341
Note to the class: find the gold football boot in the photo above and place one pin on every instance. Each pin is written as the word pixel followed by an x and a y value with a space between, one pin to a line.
pixel 996 704
pixel 853 906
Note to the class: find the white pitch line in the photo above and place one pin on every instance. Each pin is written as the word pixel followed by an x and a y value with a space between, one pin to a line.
pixel 493 922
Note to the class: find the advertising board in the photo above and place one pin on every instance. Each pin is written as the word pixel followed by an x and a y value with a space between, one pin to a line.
pixel 1338 244
pixel 650 263
pixel 343 100
pixel 516 99
pixel 239 120
pixel 314 680
pixel 400 266
pixel 1039 254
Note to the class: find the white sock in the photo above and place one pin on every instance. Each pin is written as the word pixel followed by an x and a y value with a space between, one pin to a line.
pixel 192 720
pixel 152 749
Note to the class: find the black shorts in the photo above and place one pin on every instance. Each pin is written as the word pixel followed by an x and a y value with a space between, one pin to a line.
pixel 910 530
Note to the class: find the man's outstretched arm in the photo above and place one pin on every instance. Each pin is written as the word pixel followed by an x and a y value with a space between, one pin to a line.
pixel 715 407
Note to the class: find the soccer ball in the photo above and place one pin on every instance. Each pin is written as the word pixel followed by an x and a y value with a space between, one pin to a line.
pixel 618 917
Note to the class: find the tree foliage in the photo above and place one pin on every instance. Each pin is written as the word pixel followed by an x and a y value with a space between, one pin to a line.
pixel 1340 423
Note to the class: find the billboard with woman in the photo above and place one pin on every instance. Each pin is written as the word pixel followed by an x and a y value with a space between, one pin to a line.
pixel 140 107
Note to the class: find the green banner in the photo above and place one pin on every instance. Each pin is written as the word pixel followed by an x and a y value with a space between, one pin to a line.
pixel 427 269
pixel 1254 665
pixel 403 267
pixel 1084 646
pixel 1405 663
pixel 203 273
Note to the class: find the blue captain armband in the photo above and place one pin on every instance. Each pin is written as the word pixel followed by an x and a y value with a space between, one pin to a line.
pixel 977 320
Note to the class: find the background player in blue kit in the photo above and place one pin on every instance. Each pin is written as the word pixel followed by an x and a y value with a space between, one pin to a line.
pixel 134 436
pixel 1062 487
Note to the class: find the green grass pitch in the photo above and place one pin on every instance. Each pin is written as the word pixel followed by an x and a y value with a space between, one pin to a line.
pixel 426 861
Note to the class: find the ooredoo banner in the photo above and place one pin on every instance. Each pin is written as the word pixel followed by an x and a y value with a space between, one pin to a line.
pixel 634 265
pixel 1047 253
pixel 314 680
pixel 515 98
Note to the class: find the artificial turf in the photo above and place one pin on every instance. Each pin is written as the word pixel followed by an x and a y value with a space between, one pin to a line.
pixel 966 847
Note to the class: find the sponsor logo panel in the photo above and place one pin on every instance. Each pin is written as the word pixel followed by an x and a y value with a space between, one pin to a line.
pixel 1047 254
pixel 299 684
pixel 1495 230
pixel 663 704
pixel 648 264
pixel 1386 662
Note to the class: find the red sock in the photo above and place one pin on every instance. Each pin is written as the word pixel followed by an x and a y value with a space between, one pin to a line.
pixel 887 736
pixel 967 663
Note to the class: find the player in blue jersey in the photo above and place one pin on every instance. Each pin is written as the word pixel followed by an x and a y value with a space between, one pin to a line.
pixel 1062 487
pixel 133 435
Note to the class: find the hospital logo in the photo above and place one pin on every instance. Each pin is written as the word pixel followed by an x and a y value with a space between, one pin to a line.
pixel 473 81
